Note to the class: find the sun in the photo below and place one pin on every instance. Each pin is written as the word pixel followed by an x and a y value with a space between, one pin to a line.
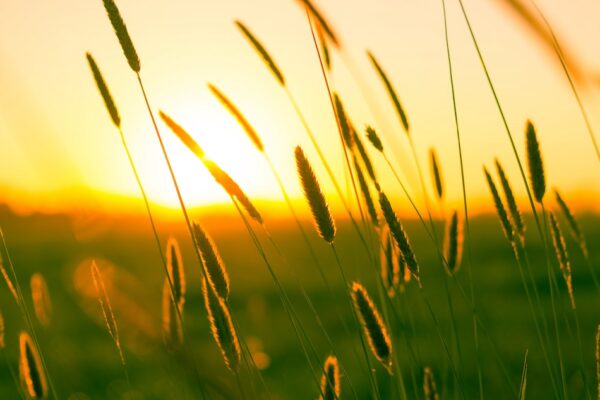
pixel 223 141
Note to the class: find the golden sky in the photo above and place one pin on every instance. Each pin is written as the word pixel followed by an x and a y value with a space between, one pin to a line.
pixel 58 141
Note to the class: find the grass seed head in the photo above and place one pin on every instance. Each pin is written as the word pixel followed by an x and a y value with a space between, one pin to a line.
pixel 121 30
pixel 314 195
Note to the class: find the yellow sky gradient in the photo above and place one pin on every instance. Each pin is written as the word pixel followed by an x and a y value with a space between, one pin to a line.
pixel 59 148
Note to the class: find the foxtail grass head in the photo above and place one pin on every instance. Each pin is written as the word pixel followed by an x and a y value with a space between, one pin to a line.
pixel 399 235
pixel 366 192
pixel 373 325
pixel 560 248
pixel 430 391
pixel 237 114
pixel 121 30
pixel 176 272
pixel 321 22
pixel 343 120
pixel 182 134
pixel 513 209
pixel 330 381
pixel 31 371
pixel 391 92
pixel 436 174
pixel 537 178
pixel 453 243
pixel 374 138
pixel 315 197
pixel 212 263
pixel 500 210
pixel 574 227
pixel 262 52
pixel 42 303
pixel 221 326
pixel 104 92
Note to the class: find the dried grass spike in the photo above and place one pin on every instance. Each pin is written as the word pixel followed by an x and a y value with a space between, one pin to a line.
pixel 42 304
pixel 176 272
pixel 574 228
pixel 535 163
pixel 182 135
pixel 560 247
pixel 211 261
pixel 104 92
pixel 364 188
pixel 515 214
pixel 259 48
pixel 324 47
pixel 221 327
pixel 343 121
pixel 391 92
pixel 500 210
pixel 105 306
pixel 430 391
pixel 373 325
pixel 330 381
pixel 9 283
pixel 233 110
pixel 399 235
pixel 453 243
pixel 121 30
pixel 30 368
pixel 436 174
pixel 322 22
pixel 374 138
pixel 314 195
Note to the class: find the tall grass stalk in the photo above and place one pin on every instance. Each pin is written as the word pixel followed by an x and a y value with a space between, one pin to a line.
pixel 464 199
pixel 26 314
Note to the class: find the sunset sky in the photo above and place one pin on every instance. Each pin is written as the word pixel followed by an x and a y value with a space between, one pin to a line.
pixel 59 146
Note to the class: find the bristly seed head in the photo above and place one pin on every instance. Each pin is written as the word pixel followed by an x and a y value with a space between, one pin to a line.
pixel 399 235
pixel 237 114
pixel 574 228
pixel 176 272
pixel 436 174
pixel 330 381
pixel 212 263
pixel 560 247
pixel 453 244
pixel 500 210
pixel 121 30
pixel 342 118
pixel 221 326
pixel 515 214
pixel 391 92
pixel 260 49
pixel 429 387
pixel 104 92
pixel 374 138
pixel 315 197
pixel 373 325
pixel 31 371
pixel 535 163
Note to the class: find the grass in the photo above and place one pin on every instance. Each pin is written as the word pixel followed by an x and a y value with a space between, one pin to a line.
pixel 272 321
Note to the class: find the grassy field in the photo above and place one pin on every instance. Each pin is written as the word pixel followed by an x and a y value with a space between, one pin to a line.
pixel 83 361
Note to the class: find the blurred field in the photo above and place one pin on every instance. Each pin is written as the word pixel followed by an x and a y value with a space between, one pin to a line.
pixel 82 358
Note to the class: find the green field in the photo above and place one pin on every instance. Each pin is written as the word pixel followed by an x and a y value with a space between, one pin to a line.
pixel 83 362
